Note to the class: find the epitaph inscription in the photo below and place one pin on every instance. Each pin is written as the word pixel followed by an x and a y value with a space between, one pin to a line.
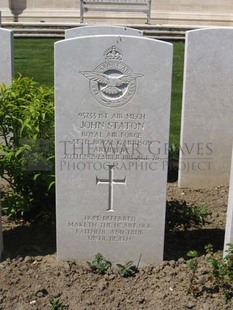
pixel 110 228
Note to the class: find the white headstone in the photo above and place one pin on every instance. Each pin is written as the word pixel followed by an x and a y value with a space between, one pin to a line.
pixel 207 116
pixel 6 56
pixel 229 220
pixel 1 239
pixel 99 30
pixel 112 128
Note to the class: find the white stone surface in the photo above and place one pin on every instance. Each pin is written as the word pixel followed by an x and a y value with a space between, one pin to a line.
pixel 99 30
pixel 112 128
pixel 1 239
pixel 207 116
pixel 210 6
pixel 229 220
pixel 180 12
pixel 6 56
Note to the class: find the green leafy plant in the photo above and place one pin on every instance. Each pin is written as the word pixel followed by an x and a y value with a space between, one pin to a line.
pixel 99 264
pixel 57 305
pixel 193 265
pixel 209 249
pixel 127 270
pixel 197 215
pixel 221 274
pixel 182 215
pixel 27 148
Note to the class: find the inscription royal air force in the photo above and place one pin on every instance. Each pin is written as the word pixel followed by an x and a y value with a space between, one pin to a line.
pixel 112 83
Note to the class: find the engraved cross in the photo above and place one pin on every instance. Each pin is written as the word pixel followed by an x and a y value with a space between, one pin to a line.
pixel 110 182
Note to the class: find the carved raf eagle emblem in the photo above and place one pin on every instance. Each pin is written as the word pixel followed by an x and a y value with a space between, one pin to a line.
pixel 112 83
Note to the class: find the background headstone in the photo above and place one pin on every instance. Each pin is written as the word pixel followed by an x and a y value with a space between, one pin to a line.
pixel 99 30
pixel 112 128
pixel 6 56
pixel 229 220
pixel 207 126
pixel 6 60
pixel 1 239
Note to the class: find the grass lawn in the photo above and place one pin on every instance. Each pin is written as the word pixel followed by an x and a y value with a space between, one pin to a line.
pixel 34 58
pixel 177 83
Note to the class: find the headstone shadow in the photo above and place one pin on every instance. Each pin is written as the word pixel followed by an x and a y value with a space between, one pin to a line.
pixel 186 236
pixel 32 240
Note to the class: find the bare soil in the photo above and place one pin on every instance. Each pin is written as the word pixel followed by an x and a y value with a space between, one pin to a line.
pixel 30 276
